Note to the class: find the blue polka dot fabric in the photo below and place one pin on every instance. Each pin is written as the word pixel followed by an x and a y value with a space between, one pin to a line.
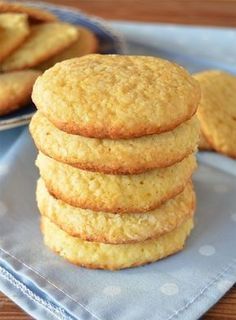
pixel 183 286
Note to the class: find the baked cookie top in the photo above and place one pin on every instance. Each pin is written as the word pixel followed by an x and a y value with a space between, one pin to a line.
pixel 114 96
pixel 217 110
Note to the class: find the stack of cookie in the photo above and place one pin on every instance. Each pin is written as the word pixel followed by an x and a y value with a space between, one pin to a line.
pixel 117 137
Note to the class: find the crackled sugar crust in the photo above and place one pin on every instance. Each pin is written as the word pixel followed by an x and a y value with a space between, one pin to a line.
pixel 15 89
pixel 115 228
pixel 123 156
pixel 114 193
pixel 217 111
pixel 112 257
pixel 107 99
pixel 44 41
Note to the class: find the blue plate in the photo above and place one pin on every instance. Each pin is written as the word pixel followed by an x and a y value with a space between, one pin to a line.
pixel 110 42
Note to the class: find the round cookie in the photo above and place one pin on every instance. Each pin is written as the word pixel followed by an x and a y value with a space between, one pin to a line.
pixel 14 31
pixel 45 41
pixel 217 110
pixel 109 256
pixel 86 43
pixel 34 14
pixel 116 96
pixel 123 156
pixel 114 193
pixel 114 228
pixel 15 89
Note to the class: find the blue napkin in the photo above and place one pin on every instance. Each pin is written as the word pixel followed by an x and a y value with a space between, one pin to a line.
pixel 182 286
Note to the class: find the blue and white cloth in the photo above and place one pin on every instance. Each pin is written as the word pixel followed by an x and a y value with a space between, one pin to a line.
pixel 183 286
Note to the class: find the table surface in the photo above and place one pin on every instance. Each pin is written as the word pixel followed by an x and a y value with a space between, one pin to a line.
pixel 205 12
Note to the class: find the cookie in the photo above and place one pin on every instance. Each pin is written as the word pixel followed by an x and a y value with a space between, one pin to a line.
pixel 109 256
pixel 14 31
pixel 34 14
pixel 15 89
pixel 123 156
pixel 45 41
pixel 217 111
pixel 203 143
pixel 86 43
pixel 116 96
pixel 114 228
pixel 114 193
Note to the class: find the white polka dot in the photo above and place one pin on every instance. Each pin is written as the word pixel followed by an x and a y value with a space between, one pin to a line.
pixel 3 209
pixel 169 289
pixel 233 217
pixel 224 285
pixel 207 250
pixel 112 291
pixel 3 169
pixel 220 188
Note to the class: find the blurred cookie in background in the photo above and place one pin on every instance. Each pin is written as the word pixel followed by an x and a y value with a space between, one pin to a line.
pixel 15 90
pixel 217 110
pixel 45 41
pixel 14 30
pixel 85 44
pixel 34 15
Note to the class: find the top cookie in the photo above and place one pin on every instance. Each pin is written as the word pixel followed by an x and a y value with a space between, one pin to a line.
pixel 112 96
pixel 217 110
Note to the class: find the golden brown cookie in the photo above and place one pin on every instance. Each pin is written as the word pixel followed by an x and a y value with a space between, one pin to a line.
pixel 86 43
pixel 15 89
pixel 217 110
pixel 14 31
pixel 114 193
pixel 116 96
pixel 123 156
pixel 114 228
pixel 109 256
pixel 45 41
pixel 34 14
